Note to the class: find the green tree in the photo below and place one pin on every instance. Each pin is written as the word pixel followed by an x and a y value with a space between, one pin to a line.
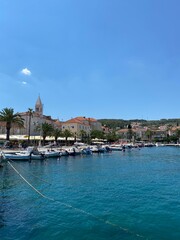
pixel 97 134
pixel 75 136
pixel 112 137
pixel 130 132
pixel 149 134
pixel 47 130
pixel 67 133
pixel 178 134
pixel 30 113
pixel 7 115
pixel 57 133
pixel 82 135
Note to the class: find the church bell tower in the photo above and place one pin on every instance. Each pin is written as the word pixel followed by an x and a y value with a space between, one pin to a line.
pixel 39 106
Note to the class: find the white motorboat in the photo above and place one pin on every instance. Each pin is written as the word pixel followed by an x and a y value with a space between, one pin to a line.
pixel 116 147
pixel 38 156
pixel 16 156
pixel 94 149
pixel 49 153
pixel 63 152
pixel 73 151
pixel 22 156
pixel 34 153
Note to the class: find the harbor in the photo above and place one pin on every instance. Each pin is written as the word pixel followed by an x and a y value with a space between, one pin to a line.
pixel 53 151
pixel 112 195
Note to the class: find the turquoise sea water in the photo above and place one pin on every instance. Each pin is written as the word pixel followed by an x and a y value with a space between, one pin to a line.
pixel 131 195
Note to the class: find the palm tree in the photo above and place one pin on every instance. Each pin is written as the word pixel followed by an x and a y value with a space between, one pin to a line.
pixel 66 134
pixel 7 115
pixel 129 132
pixel 75 136
pixel 30 113
pixel 57 133
pixel 47 130
pixel 83 135
pixel 149 134
pixel 178 134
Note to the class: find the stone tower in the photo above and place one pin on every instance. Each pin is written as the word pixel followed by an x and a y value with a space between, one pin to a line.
pixel 39 106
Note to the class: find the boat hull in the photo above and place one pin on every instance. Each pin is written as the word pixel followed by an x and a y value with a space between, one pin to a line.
pixel 16 157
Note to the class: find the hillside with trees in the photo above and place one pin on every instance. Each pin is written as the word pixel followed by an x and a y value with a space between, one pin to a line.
pixel 120 123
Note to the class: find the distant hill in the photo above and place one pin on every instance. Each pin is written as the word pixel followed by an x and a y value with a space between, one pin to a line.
pixel 120 123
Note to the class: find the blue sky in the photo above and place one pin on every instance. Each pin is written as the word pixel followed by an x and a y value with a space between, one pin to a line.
pixel 94 58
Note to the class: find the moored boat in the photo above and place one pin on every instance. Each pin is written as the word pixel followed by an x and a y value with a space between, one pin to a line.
pixel 116 147
pixel 86 151
pixel 94 149
pixel 73 151
pixel 48 153
pixel 30 153
pixel 16 156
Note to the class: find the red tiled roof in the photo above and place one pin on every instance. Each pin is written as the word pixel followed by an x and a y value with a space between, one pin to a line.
pixel 86 119
pixel 75 120
pixel 123 130
pixel 175 128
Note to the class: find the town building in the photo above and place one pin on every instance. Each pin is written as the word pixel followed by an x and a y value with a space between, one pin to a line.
pixel 79 124
pixel 32 121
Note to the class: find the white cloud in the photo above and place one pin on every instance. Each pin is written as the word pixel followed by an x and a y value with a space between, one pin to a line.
pixel 26 72
pixel 24 83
